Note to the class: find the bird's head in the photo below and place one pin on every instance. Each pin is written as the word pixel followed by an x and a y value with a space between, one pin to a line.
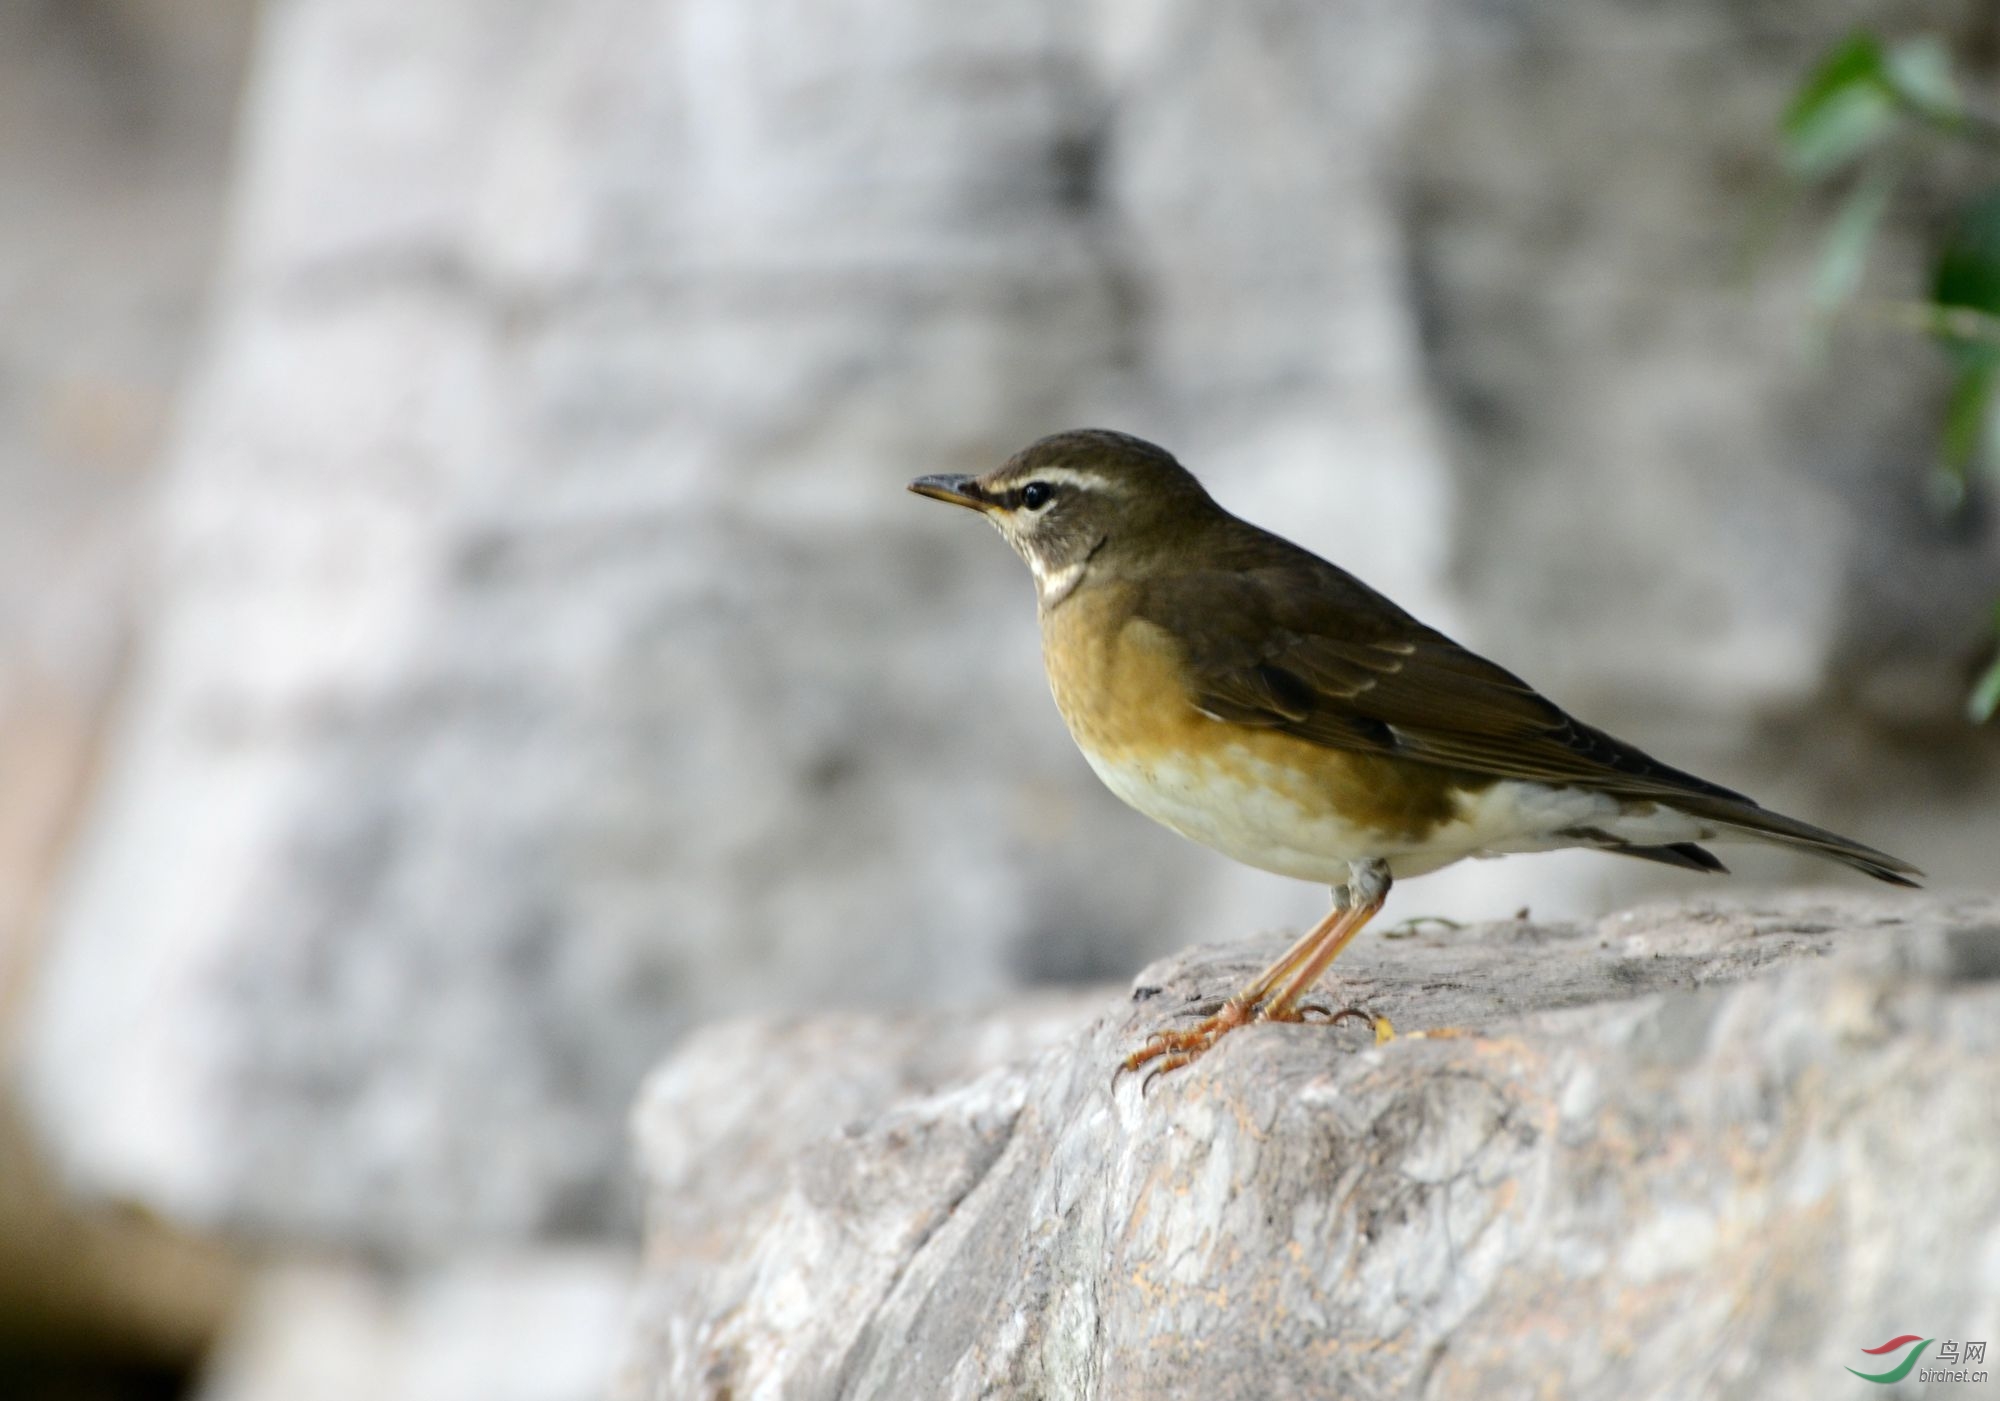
pixel 1082 500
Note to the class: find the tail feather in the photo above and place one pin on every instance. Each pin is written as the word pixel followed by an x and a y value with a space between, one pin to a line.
pixel 1685 855
pixel 1742 817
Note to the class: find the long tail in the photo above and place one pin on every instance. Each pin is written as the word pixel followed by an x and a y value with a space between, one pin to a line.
pixel 1741 817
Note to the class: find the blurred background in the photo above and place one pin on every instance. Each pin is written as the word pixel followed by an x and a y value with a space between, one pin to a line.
pixel 461 624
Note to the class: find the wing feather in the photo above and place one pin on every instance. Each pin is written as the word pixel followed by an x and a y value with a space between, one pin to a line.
pixel 1305 648
pixel 1277 638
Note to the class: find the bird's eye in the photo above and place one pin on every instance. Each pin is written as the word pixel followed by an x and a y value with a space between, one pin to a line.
pixel 1036 495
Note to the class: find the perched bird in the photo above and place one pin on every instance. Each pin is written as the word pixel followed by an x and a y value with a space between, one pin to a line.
pixel 1261 701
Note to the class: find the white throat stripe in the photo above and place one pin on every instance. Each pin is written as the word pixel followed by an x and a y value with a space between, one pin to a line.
pixel 1053 588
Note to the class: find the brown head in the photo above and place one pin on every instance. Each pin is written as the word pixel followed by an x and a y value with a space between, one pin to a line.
pixel 1086 500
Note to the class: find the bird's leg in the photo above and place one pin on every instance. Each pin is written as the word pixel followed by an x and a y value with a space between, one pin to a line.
pixel 1246 998
pixel 1366 892
pixel 1180 1047
pixel 1296 970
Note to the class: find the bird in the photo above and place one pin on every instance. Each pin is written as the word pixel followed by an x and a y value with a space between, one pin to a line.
pixel 1266 703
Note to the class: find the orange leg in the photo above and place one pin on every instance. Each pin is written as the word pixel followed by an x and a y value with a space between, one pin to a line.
pixel 1292 975
pixel 1284 1007
pixel 1239 1009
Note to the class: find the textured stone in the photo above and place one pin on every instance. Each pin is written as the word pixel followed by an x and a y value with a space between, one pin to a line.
pixel 1682 1151
pixel 539 1326
pixel 115 124
pixel 115 127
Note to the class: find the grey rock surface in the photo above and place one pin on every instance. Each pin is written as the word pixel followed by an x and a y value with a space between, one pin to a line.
pixel 115 126
pixel 1684 1151
pixel 539 1325
pixel 115 129
pixel 541 656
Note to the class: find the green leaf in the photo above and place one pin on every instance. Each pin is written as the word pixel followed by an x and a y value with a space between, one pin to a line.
pixel 1968 418
pixel 1968 275
pixel 1984 701
pixel 1857 60
pixel 1845 106
pixel 1919 72
pixel 1844 256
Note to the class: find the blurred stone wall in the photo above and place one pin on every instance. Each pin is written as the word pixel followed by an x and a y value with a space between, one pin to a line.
pixel 116 119
pixel 540 654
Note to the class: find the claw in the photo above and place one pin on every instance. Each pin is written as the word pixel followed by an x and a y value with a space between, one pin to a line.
pixel 1176 1047
pixel 1138 1058
pixel 1321 1015
pixel 1384 1029
pixel 1171 1063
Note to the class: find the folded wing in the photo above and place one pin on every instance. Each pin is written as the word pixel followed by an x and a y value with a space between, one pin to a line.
pixel 1303 647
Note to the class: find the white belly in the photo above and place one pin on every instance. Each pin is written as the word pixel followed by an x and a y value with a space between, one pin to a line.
pixel 1221 805
pixel 1220 802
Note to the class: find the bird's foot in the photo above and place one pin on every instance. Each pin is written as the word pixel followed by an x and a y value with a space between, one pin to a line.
pixel 1174 1049
pixel 1168 1051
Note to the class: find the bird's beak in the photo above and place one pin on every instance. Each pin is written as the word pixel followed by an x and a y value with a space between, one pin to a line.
pixel 959 491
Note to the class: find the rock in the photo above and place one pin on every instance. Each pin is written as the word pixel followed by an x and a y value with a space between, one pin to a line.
pixel 515 1326
pixel 115 133
pixel 116 122
pixel 541 654
pixel 115 129
pixel 1685 1150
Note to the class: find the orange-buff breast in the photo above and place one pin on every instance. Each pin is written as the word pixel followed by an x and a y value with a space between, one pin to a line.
pixel 1262 796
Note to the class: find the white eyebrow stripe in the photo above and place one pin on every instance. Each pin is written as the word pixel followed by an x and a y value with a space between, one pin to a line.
pixel 1067 476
